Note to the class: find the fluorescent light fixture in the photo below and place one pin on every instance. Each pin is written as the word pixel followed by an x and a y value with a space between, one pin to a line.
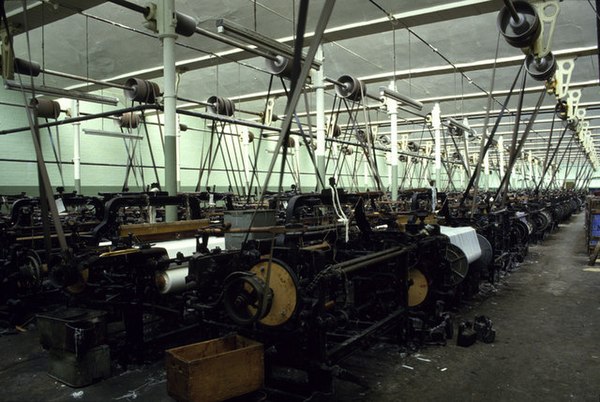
pixel 62 93
pixel 260 41
pixel 398 97
pixel 112 134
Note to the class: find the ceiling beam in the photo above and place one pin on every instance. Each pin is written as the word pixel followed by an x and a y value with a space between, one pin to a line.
pixel 42 13
pixel 486 64
pixel 414 18
pixel 411 19
pixel 446 69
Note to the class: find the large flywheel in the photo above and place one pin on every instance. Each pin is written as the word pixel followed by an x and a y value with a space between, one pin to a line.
pixel 457 265
pixel 284 285
pixel 267 293
pixel 418 288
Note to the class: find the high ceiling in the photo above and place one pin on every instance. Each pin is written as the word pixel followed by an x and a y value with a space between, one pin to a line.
pixel 448 56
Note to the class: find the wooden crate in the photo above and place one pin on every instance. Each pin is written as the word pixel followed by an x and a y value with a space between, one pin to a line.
pixel 215 370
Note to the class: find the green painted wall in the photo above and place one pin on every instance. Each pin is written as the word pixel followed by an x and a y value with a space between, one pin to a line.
pixel 104 159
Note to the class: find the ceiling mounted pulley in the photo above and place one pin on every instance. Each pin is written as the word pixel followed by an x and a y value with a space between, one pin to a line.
pixel 27 67
pixel 141 90
pixel 561 109
pixel 350 88
pixel 384 139
pixel 129 120
pixel 413 146
pixel 220 105
pixel 335 131
pixel 186 24
pixel 46 108
pixel 280 66
pixel 521 32
pixel 541 68
pixel 346 150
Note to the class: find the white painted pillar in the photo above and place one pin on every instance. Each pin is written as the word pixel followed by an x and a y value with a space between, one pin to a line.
pixel 178 153
pixel 320 106
pixel 486 171
pixel 166 22
pixel 392 107
pixel 437 126
pixel 501 155
pixel 76 148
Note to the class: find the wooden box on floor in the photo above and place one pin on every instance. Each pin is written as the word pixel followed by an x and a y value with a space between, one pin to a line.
pixel 215 370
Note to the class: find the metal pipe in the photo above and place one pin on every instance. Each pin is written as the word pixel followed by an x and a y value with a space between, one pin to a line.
pixel 231 120
pixel 208 104
pixel 513 11
pixel 117 112
pixel 131 6
pixel 227 119
pixel 398 97
pixel 272 46
pixel 85 79
pixel 33 69
pixel 61 93
pixel 231 42
pixel 335 82
pixel 355 264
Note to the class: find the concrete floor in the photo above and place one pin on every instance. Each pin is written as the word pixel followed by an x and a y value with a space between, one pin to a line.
pixel 546 315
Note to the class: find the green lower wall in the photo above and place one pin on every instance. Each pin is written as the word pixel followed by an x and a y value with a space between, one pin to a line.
pixel 104 159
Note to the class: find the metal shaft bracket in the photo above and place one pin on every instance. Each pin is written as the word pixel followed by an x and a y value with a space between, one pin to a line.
pixel 548 12
pixel 562 77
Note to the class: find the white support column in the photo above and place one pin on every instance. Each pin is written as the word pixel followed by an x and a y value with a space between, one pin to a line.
pixel 392 107
pixel 76 149
pixel 437 126
pixel 486 171
pixel 166 23
pixel 501 156
pixel 523 174
pixel 530 162
pixel 320 106
pixel 178 153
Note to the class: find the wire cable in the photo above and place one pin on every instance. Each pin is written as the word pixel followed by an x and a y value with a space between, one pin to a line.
pixel 434 49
